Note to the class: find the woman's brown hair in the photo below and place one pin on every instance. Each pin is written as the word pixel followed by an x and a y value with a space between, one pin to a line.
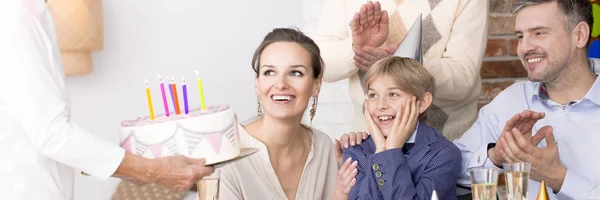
pixel 290 35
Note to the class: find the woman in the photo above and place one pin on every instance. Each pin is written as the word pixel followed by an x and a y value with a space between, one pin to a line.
pixel 295 161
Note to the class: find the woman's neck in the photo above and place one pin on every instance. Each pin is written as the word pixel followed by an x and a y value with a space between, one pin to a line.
pixel 278 135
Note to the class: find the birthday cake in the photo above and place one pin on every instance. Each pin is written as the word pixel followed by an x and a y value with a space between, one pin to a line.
pixel 211 134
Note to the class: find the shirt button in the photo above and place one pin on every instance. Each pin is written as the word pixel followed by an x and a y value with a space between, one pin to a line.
pixel 381 182
pixel 375 167
pixel 378 174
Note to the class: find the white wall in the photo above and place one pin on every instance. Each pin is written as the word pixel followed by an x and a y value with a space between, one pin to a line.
pixel 334 112
pixel 174 37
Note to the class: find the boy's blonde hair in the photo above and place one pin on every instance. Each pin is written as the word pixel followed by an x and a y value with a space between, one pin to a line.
pixel 408 74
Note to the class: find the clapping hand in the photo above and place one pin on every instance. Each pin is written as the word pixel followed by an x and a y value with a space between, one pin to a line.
pixel 370 29
pixel 365 57
pixel 370 26
pixel 523 122
pixel 545 162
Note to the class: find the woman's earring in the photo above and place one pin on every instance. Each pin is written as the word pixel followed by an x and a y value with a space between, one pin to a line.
pixel 259 109
pixel 313 110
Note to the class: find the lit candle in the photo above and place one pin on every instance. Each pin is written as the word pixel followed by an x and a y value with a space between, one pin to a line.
pixel 200 90
pixel 149 100
pixel 164 97
pixel 185 101
pixel 170 86
pixel 176 101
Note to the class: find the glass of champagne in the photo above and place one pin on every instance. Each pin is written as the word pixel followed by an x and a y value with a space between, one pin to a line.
pixel 516 176
pixel 501 189
pixel 483 183
pixel 208 187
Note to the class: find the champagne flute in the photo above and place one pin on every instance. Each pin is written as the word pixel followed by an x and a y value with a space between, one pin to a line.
pixel 208 187
pixel 483 183
pixel 517 176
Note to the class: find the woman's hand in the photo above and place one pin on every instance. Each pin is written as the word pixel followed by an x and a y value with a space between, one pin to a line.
pixel 348 140
pixel 378 137
pixel 345 179
pixel 403 127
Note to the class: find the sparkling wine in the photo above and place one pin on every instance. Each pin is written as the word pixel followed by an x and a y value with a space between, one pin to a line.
pixel 208 189
pixel 516 185
pixel 483 191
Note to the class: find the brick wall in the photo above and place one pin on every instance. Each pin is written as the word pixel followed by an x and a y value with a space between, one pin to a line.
pixel 501 66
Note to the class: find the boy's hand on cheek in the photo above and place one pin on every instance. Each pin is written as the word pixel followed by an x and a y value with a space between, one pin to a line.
pixel 404 124
pixel 376 133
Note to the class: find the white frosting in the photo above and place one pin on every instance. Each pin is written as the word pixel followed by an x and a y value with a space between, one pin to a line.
pixel 211 134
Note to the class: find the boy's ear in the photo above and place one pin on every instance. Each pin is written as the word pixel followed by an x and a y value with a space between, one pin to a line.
pixel 425 102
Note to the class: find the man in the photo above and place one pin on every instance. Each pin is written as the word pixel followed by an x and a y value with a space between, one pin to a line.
pixel 39 144
pixel 352 35
pixel 550 121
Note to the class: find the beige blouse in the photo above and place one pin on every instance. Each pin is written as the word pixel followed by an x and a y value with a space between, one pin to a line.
pixel 254 177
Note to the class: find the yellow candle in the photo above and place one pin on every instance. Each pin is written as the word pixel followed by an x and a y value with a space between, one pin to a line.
pixel 149 100
pixel 200 90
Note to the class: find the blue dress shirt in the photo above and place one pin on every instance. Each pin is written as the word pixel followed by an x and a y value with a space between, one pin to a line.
pixel 575 127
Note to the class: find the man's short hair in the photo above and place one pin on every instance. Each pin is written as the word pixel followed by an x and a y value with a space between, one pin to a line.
pixel 575 11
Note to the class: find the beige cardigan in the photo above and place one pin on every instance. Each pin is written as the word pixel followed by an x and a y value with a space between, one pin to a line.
pixel 254 177
pixel 454 40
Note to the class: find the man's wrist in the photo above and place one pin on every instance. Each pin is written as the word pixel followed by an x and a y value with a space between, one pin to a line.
pixel 557 181
pixel 491 154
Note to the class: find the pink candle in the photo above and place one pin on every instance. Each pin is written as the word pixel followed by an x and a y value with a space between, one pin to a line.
pixel 164 98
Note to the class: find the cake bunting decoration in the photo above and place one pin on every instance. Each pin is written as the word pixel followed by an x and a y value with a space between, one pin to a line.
pixel 156 150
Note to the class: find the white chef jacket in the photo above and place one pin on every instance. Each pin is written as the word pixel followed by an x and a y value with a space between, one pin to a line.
pixel 39 144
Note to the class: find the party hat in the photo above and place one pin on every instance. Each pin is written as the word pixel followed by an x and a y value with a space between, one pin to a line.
pixel 411 46
pixel 543 194
pixel 434 196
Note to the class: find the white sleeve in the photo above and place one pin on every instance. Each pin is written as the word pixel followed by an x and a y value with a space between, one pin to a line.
pixel 473 144
pixel 32 87
pixel 335 42
pixel 576 186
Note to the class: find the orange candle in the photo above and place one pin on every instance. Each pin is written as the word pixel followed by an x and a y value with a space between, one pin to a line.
pixel 175 95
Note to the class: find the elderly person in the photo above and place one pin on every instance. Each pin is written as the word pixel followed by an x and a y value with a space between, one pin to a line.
pixel 295 161
pixel 353 36
pixel 40 145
